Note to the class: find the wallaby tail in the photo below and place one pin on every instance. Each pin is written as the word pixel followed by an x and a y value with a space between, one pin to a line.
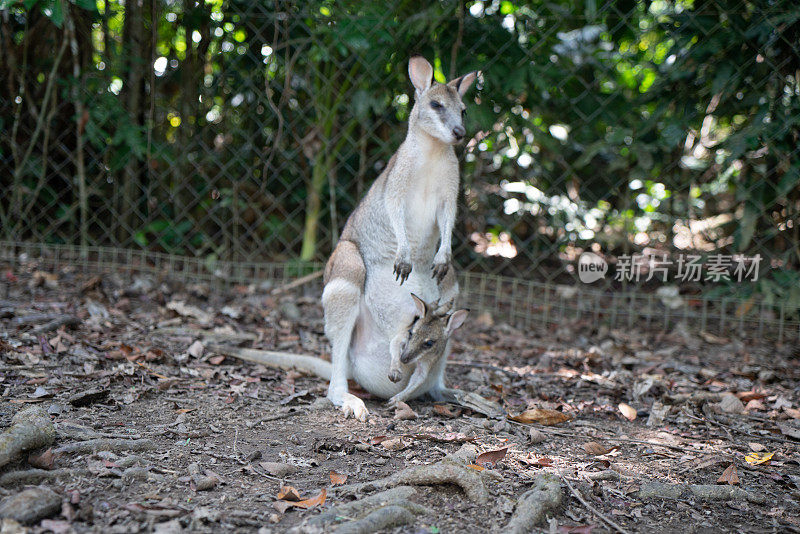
pixel 282 360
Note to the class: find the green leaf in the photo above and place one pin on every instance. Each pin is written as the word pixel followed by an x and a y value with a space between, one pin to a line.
pixel 57 13
pixel 88 5
pixel 27 3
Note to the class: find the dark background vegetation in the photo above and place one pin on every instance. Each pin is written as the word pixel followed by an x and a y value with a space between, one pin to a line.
pixel 247 131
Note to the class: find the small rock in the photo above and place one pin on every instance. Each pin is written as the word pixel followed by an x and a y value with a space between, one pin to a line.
pixel 196 349
pixel 766 375
pixel 730 403
pixel 168 527
pixel 466 454
pixel 278 469
pixel 537 436
pixel 393 444
pixel 254 455
pixel 90 396
pixel 320 403
pixel 363 447
pixel 290 311
pixel 31 505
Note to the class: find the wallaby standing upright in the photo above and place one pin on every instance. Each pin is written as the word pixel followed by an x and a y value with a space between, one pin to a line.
pixel 388 248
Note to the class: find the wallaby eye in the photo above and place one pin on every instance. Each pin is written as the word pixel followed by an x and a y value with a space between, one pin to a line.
pixel 428 344
pixel 435 104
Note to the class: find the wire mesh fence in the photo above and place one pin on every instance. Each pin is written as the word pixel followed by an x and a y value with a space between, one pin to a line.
pixel 241 133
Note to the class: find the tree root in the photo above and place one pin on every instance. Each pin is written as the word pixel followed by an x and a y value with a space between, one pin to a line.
pixel 34 476
pixel 447 471
pixel 30 428
pixel 106 444
pixel 533 506
pixel 704 492
pixel 55 324
pixel 378 520
pixel 374 513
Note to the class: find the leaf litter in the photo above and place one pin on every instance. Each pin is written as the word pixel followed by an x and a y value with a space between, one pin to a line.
pixel 711 411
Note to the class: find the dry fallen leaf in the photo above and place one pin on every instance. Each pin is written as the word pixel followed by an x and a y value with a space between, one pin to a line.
pixel 314 501
pixel 377 440
pixel 475 467
pixel 216 360
pixel 542 416
pixel 42 460
pixel 337 478
pixel 288 493
pixel 627 411
pixel 281 506
pixel 403 412
pixel 747 396
pixel 729 476
pixel 593 448
pixel 444 410
pixel 756 458
pixel 490 458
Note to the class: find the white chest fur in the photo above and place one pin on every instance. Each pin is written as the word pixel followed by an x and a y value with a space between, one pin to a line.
pixel 433 180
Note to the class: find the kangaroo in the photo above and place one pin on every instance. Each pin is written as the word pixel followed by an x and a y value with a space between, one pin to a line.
pixel 388 247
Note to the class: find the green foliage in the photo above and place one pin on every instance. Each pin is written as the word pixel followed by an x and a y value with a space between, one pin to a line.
pixel 612 123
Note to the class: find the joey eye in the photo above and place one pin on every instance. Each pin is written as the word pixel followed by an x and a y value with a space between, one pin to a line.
pixel 428 344
pixel 435 104
pixel 464 112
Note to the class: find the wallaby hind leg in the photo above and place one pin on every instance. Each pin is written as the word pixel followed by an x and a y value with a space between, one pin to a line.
pixel 344 285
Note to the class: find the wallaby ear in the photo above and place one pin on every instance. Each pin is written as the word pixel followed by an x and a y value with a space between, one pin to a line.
pixel 463 83
pixel 456 320
pixel 422 308
pixel 421 73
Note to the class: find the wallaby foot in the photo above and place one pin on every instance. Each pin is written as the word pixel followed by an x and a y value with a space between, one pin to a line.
pixel 395 375
pixel 349 404
pixel 354 406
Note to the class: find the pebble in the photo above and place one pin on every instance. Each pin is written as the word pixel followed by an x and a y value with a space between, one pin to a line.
pixel 31 505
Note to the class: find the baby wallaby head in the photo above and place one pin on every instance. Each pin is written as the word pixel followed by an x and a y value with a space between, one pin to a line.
pixel 438 109
pixel 430 330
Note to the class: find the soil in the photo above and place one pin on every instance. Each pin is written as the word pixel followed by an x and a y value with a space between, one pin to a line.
pixel 636 407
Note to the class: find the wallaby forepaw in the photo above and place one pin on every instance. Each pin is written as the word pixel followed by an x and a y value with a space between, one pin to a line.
pixel 401 270
pixel 395 375
pixel 439 271
pixel 352 405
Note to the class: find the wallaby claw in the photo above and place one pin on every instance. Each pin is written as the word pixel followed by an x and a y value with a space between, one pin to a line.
pixel 439 271
pixel 401 271
pixel 354 406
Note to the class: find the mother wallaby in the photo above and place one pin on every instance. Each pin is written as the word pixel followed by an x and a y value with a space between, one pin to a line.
pixel 388 249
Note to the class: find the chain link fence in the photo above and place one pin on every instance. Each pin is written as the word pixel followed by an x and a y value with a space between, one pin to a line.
pixel 230 134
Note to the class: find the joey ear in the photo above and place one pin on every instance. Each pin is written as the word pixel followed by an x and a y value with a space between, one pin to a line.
pixel 421 73
pixel 422 308
pixel 456 319
pixel 463 83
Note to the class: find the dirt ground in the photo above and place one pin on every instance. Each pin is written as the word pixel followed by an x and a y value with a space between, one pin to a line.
pixel 177 437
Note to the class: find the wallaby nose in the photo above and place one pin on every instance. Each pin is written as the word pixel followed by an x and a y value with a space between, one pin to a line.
pixel 459 132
